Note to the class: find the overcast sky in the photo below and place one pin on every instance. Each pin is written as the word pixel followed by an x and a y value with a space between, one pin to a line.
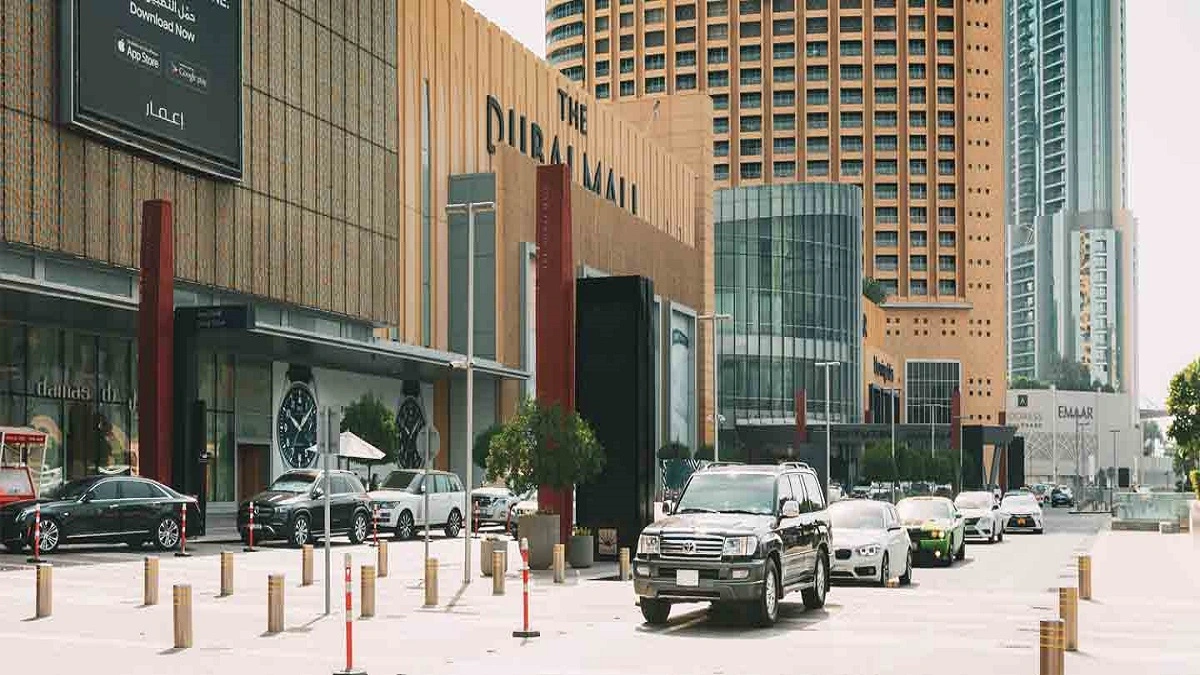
pixel 1164 170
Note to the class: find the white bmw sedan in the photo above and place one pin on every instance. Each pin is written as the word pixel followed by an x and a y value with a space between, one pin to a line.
pixel 869 543
pixel 984 519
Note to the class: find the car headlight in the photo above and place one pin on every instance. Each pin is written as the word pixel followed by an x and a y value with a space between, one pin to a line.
pixel 937 534
pixel 869 550
pixel 740 546
pixel 647 545
pixel 385 505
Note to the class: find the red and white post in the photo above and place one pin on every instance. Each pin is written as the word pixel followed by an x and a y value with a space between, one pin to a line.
pixel 474 518
pixel 249 548
pixel 37 535
pixel 350 669
pixel 182 552
pixel 375 526
pixel 525 631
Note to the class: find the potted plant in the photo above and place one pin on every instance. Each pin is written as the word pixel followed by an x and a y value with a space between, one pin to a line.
pixel 581 548
pixel 543 445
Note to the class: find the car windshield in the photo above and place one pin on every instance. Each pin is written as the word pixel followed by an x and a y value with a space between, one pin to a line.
pixel 856 515
pixel 923 509
pixel 71 490
pixel 402 480
pixel 293 482
pixel 729 492
pixel 1019 501
pixel 973 500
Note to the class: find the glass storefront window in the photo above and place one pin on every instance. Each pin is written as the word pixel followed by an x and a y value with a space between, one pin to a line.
pixel 12 358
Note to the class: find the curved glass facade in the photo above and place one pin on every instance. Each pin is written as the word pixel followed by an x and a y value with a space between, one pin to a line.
pixel 789 271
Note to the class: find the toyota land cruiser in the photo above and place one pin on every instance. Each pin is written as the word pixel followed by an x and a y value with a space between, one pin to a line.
pixel 737 535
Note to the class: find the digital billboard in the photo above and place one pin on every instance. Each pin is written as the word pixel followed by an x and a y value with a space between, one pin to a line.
pixel 162 76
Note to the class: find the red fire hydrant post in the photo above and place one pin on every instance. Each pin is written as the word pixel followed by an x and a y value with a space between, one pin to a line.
pixel 36 558
pixel 249 548
pixel 350 669
pixel 182 552
pixel 525 631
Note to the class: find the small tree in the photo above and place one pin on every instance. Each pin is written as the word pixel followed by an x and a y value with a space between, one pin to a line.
pixel 369 419
pixel 877 462
pixel 1183 404
pixel 674 450
pixel 874 290
pixel 910 463
pixel 479 451
pixel 544 446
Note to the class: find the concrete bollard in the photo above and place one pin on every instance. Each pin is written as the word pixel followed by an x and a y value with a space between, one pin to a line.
pixel 1050 652
pixel 306 565
pixel 366 604
pixel 44 605
pixel 893 583
pixel 150 581
pixel 624 565
pixel 381 559
pixel 1085 577
pixel 182 594
pixel 1168 527
pixel 431 582
pixel 1068 611
pixel 226 574
pixel 560 563
pixel 497 573
pixel 275 603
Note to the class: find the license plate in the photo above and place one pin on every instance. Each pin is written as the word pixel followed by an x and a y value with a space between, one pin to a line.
pixel 687 577
pixel 1020 521
pixel 385 515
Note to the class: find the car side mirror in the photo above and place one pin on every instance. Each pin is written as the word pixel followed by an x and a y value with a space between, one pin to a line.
pixel 668 507
pixel 87 497
pixel 317 493
pixel 791 509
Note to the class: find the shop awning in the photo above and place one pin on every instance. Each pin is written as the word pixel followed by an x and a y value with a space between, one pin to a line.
pixel 351 446
pixel 248 334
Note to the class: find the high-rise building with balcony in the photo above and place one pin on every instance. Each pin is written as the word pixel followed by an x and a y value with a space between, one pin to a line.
pixel 901 97
pixel 1072 238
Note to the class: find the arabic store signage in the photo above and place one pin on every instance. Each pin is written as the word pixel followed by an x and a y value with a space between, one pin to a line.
pixel 160 76
pixel 527 136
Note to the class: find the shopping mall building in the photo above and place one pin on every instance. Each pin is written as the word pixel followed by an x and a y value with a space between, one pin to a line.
pixel 319 168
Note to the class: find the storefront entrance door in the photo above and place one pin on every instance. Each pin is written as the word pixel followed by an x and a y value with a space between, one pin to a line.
pixel 253 469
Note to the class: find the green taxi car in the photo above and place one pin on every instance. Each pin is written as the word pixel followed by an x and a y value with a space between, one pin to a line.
pixel 935 527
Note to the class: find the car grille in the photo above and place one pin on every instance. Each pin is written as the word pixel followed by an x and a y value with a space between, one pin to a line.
pixel 842 554
pixel 482 501
pixel 691 548
pixel 1021 521
pixel 916 534
pixel 670 572
pixel 972 521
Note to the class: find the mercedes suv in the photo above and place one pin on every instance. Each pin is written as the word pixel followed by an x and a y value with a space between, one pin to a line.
pixel 743 535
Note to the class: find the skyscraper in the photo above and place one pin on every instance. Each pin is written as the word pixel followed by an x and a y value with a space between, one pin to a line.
pixel 901 97
pixel 1072 252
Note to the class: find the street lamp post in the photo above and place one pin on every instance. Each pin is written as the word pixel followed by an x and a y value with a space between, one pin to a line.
pixel 893 404
pixel 714 318
pixel 470 209
pixel 1115 433
pixel 828 423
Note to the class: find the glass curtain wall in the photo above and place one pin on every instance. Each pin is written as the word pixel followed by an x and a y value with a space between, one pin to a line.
pixel 789 271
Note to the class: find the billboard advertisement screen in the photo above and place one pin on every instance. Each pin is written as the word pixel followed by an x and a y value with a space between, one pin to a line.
pixel 162 76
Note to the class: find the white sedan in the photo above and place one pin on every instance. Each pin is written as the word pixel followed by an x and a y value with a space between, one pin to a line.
pixel 869 543
pixel 400 502
pixel 984 519
pixel 1024 513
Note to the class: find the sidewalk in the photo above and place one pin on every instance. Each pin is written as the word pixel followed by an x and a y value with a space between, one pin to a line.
pixel 1144 616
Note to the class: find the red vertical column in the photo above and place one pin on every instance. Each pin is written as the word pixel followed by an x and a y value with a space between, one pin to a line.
pixel 555 320
pixel 801 417
pixel 956 420
pixel 156 339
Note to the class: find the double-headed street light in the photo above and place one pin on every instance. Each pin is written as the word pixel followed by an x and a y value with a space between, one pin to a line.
pixel 469 209
pixel 714 318
pixel 828 422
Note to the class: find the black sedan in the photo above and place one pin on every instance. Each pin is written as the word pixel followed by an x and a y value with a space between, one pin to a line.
pixel 293 508
pixel 101 509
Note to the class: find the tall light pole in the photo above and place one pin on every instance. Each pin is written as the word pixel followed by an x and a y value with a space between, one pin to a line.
pixel 470 209
pixel 1053 433
pixel 715 318
pixel 893 404
pixel 1115 433
pixel 827 365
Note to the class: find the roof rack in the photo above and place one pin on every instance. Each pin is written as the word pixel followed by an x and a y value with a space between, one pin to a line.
pixel 795 465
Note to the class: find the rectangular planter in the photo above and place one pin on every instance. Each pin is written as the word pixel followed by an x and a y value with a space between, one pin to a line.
pixel 541 530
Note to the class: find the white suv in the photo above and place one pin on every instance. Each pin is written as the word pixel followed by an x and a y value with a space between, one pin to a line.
pixel 400 500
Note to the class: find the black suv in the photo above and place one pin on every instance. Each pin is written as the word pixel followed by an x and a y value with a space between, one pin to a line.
pixel 738 534
pixel 293 508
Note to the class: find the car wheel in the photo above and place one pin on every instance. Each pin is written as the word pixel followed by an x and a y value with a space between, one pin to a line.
pixel 884 571
pixel 906 578
pixel 166 533
pixel 948 559
pixel 358 529
pixel 404 525
pixel 453 524
pixel 1000 536
pixel 814 598
pixel 301 531
pixel 766 608
pixel 962 550
pixel 51 536
pixel 654 611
